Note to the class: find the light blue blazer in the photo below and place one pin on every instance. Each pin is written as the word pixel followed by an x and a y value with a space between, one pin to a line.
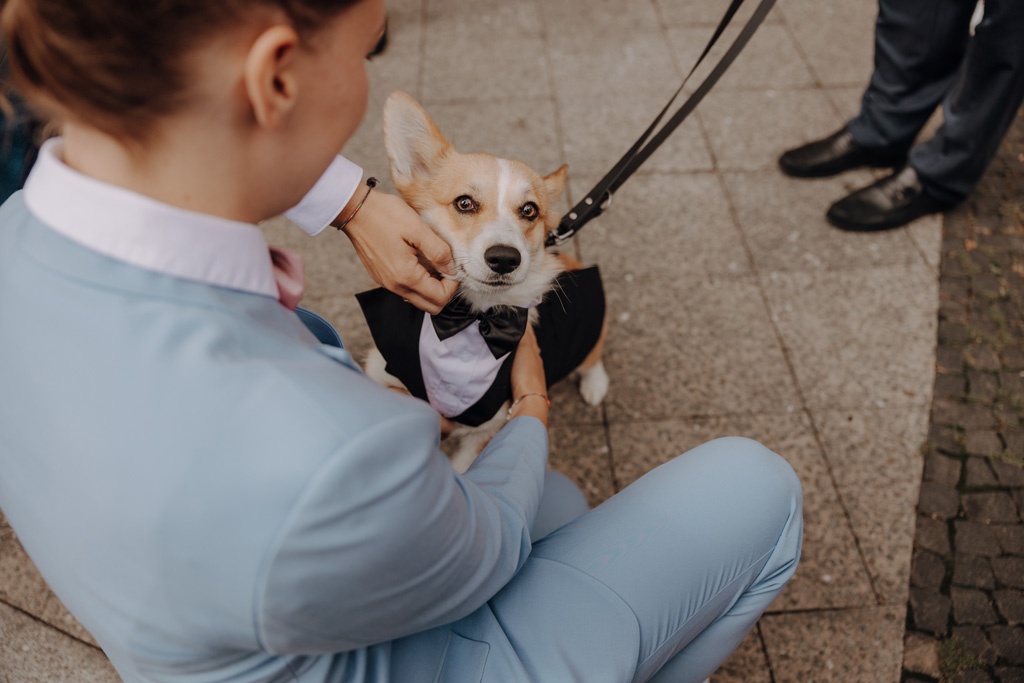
pixel 217 496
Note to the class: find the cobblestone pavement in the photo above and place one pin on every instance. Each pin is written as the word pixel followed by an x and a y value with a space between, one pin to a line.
pixel 965 620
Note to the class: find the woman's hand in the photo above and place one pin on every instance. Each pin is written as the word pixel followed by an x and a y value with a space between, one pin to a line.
pixel 399 252
pixel 529 385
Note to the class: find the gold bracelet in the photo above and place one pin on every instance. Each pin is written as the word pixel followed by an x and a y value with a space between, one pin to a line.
pixel 531 393
pixel 371 183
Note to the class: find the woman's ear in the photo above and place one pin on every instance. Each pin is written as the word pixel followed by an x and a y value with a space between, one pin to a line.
pixel 270 80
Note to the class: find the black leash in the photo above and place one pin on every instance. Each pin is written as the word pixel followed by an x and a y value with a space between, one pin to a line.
pixel 600 197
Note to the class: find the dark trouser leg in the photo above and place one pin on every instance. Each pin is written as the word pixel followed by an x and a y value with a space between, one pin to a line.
pixel 919 45
pixel 18 147
pixel 986 95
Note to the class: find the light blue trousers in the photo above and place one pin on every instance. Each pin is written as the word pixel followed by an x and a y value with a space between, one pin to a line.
pixel 659 583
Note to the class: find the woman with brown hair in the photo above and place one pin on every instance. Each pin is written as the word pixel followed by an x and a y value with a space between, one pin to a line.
pixel 218 496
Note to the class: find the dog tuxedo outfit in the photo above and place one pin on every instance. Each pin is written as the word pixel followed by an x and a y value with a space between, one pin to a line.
pixel 460 361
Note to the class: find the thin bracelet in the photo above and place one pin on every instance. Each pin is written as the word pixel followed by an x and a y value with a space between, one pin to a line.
pixel 371 183
pixel 531 393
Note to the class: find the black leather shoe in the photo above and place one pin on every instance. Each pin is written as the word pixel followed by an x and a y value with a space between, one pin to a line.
pixel 835 154
pixel 889 203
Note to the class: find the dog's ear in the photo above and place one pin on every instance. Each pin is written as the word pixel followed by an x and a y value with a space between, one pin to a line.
pixel 555 182
pixel 413 141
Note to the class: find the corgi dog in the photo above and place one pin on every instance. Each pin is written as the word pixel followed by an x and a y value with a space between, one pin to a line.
pixel 495 215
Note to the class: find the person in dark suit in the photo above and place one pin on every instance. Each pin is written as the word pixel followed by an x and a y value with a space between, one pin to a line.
pixel 924 55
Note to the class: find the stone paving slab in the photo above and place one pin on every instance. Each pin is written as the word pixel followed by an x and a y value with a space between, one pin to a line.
pixel 782 222
pixel 32 652
pixel 858 338
pixel 839 645
pixel 880 499
pixel 668 365
pixel 735 309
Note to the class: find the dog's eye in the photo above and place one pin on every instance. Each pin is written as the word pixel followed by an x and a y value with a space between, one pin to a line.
pixel 529 211
pixel 466 204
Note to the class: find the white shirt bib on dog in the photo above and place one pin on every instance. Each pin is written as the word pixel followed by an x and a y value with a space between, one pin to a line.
pixel 458 371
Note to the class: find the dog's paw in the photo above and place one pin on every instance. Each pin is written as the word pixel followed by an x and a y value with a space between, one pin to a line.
pixel 594 384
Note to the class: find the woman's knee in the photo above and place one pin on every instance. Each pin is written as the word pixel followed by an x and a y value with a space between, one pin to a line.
pixel 739 478
pixel 743 461
pixel 754 490
pixel 755 460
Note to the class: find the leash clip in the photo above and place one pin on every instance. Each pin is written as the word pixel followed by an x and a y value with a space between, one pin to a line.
pixel 559 235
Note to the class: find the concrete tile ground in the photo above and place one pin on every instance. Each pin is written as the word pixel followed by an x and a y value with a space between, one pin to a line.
pixel 735 309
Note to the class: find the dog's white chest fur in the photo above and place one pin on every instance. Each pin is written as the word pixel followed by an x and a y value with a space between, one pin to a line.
pixel 458 371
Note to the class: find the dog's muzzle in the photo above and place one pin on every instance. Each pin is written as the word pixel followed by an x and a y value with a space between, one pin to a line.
pixel 502 258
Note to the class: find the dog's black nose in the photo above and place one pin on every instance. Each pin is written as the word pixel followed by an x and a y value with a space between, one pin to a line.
pixel 502 259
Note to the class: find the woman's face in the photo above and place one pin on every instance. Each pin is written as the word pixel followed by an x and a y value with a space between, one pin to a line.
pixel 338 64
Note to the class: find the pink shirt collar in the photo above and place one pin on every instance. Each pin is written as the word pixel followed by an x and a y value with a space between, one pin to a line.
pixel 146 233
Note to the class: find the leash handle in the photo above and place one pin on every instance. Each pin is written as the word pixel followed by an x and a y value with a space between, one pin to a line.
pixel 600 196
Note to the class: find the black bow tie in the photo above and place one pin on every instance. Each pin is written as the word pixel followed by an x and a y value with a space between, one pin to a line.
pixel 502 326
